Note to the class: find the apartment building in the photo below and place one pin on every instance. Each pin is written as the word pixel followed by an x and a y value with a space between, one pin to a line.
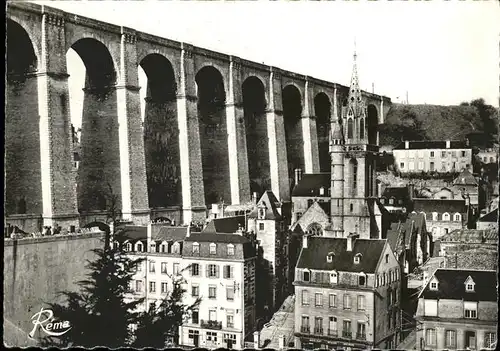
pixel 442 215
pixel 457 309
pixel 347 294
pixel 221 271
pixel 432 156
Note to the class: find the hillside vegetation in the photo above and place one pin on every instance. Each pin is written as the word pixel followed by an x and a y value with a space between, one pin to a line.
pixel 436 122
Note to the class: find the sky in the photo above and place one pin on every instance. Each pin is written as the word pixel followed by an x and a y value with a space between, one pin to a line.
pixel 433 52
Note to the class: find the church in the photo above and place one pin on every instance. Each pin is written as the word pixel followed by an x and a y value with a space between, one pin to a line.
pixel 344 201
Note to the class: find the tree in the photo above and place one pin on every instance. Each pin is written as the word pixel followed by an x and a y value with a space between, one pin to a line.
pixel 158 325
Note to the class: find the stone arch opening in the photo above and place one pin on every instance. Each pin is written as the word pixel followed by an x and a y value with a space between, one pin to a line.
pixel 322 110
pixel 97 141
pixel 315 229
pixel 213 135
pixel 372 124
pixel 22 125
pixel 254 107
pixel 161 133
pixel 292 112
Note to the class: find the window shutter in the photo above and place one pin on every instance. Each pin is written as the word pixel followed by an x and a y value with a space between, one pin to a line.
pixel 231 272
pixel 217 271
pixel 208 270
pixel 191 269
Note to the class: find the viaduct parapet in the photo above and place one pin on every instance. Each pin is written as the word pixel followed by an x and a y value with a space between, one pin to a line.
pixel 216 127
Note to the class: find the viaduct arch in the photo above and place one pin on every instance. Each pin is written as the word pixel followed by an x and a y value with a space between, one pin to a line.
pixel 216 127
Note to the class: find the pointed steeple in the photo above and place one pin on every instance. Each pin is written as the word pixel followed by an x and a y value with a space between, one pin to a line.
pixel 355 101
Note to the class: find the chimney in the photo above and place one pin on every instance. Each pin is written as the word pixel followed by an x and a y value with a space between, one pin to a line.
pixel 149 232
pixel 351 238
pixel 304 241
pixel 379 188
pixel 407 144
pixel 448 144
pixel 298 175
pixel 188 231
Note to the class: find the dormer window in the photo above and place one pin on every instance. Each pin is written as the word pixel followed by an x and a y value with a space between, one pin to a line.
pixel 469 284
pixel 230 250
pixel 129 247
pixel 213 249
pixel 329 257
pixel 333 277
pixel 433 285
pixel 357 258
pixel 152 247
pixel 163 247
pixel 391 201
pixel 262 213
pixel 196 248
pixel 176 248
pixel 139 247
pixel 322 191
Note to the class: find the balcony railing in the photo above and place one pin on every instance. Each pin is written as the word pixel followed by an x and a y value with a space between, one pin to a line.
pixel 347 334
pixel 305 330
pixel 211 324
pixel 318 331
pixel 361 336
pixel 333 332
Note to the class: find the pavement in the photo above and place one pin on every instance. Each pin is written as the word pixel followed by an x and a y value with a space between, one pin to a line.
pixel 282 323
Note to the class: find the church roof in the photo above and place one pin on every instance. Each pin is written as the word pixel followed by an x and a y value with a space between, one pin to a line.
pixel 310 184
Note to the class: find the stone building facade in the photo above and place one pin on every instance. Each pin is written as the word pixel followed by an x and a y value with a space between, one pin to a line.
pixel 347 294
pixel 457 309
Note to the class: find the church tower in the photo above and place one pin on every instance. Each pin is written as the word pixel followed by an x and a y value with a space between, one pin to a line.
pixel 352 168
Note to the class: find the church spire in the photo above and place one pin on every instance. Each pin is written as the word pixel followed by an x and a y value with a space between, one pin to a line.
pixel 355 99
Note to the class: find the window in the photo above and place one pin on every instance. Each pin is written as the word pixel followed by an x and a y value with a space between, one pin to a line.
pixel 212 314
pixel 230 250
pixel 304 328
pixel 349 128
pixel 362 128
pixel 463 153
pixel 195 269
pixel 261 226
pixel 431 166
pixel 230 292
pixel 430 337
pixel 212 271
pixel 152 247
pixel 361 280
pixel 347 329
pixel 176 269
pixel 318 299
pixel 420 166
pixel 453 154
pixel 333 278
pixel 230 320
pixel 163 248
pixel 489 339
pixel 307 276
pixel 228 272
pixel 195 290
pixel 213 249
pixel 212 337
pixel 332 326
pixel 152 287
pixel 262 213
pixel 457 217
pixel 164 267
pixel 195 317
pixel 176 248
pixel 329 257
pixel 361 331
pixel 196 248
pixel 402 165
pixel 151 266
pixel 354 164
pixel 432 153
pixel 347 302
pixel 351 207
pixel 411 166
pixel 138 285
pixel 469 286
pixel 332 300
pixel 305 297
pixel 139 267
pixel 164 287
pixel 386 258
pixel 470 309
pixel 139 247
pixel 434 216
pixel 212 291
pixel 357 258
pixel 470 339
pixel 318 325
pixel 129 247
pixel 430 308
pixel 322 191
pixel 446 216
pixel 299 214
pixel 450 339
pixel 434 286
pixel 391 201
pixel 361 302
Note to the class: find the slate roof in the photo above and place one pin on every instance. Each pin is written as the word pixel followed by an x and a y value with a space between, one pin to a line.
pixel 314 256
pixel 396 192
pixel 432 144
pixel 452 285
pixel 217 238
pixel 471 236
pixel 439 205
pixel 228 225
pixel 133 232
pixel 271 203
pixel 490 217
pixel 310 184
pixel 465 178
pixel 170 233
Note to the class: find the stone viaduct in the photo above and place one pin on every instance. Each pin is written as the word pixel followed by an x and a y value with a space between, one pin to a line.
pixel 216 127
